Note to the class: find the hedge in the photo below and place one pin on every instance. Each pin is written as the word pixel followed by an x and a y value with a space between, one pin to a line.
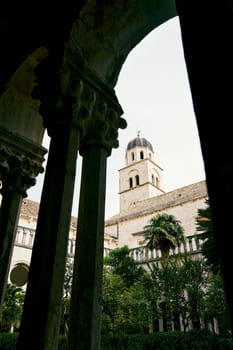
pixel 198 339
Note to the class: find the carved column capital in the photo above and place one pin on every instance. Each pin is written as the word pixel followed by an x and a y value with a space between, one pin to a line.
pixel 20 162
pixel 98 118
pixel 86 104
pixel 18 171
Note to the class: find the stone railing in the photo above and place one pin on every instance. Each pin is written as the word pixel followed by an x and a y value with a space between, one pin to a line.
pixel 25 238
pixel 144 254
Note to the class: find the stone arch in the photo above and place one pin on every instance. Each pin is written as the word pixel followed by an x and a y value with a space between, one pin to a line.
pixel 19 110
pixel 113 31
pixel 102 36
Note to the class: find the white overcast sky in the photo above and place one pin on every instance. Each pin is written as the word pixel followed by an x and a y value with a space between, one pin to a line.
pixel 153 90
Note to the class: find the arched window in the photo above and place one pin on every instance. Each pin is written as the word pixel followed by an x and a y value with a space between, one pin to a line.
pixel 130 182
pixel 137 180
pixel 141 155
pixel 157 181
pixel 132 155
pixel 152 179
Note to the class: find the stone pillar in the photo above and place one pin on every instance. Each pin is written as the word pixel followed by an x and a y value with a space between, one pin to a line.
pixel 41 314
pixel 207 32
pixel 21 153
pixel 98 137
pixel 20 162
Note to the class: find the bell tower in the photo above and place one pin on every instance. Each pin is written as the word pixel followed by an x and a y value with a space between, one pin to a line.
pixel 140 178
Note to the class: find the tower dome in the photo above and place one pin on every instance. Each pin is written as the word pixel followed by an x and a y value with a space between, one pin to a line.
pixel 140 178
pixel 139 142
pixel 137 149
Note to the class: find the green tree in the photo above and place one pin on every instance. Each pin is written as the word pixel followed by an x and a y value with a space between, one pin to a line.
pixel 121 263
pixel 68 277
pixel 134 310
pixel 113 289
pixel 204 226
pixel 152 288
pixel 124 309
pixel 174 289
pixel 12 308
pixel 215 303
pixel 194 277
pixel 66 296
pixel 164 232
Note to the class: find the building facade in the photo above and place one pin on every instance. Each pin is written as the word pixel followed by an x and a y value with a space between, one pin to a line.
pixel 141 198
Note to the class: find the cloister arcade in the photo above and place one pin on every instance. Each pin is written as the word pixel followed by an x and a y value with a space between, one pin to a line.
pixel 59 65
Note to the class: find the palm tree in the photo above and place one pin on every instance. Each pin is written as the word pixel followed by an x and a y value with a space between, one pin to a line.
pixel 208 249
pixel 164 232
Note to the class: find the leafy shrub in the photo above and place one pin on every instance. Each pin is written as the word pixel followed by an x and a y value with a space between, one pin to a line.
pixel 63 344
pixel 8 341
pixel 197 339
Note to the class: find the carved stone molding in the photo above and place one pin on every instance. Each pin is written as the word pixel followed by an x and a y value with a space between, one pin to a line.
pixel 98 119
pixel 18 172
pixel 96 111
pixel 20 162
pixel 88 106
pixel 19 110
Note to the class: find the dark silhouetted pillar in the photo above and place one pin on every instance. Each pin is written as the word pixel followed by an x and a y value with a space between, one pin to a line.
pixel 99 136
pixel 21 161
pixel 41 315
pixel 207 35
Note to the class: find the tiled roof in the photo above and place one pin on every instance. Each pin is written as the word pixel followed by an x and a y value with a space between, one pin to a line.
pixel 31 209
pixel 163 201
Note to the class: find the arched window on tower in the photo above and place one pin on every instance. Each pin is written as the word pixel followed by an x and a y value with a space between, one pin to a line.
pixel 153 179
pixel 130 182
pixel 137 180
pixel 141 155
pixel 157 181
pixel 132 155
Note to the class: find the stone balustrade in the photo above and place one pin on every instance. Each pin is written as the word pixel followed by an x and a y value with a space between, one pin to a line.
pixel 144 254
pixel 25 238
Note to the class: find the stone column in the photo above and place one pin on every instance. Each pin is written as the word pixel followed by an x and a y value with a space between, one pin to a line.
pixel 41 315
pixel 21 153
pixel 98 137
pixel 20 162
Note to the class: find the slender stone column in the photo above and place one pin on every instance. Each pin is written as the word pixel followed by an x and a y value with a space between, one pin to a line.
pixel 99 135
pixel 41 315
pixel 19 167
pixel 9 213
pixel 21 153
